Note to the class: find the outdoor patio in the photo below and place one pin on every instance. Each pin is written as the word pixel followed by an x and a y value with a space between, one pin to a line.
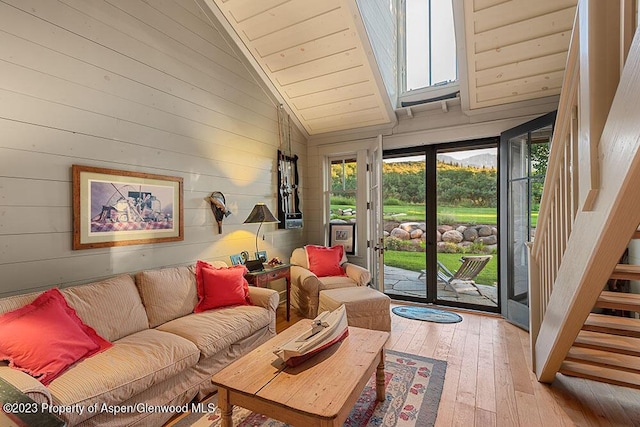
pixel 404 282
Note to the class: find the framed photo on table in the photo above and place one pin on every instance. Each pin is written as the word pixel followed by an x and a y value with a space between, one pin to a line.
pixel 261 255
pixel 343 234
pixel 115 208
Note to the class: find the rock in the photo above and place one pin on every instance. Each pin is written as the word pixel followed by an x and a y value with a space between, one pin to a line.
pixel 444 228
pixel 488 240
pixel 452 236
pixel 438 236
pixel 390 225
pixel 484 231
pixel 416 234
pixel 401 234
pixel 465 244
pixel 409 226
pixel 386 233
pixel 494 231
pixel 489 249
pixel 461 228
pixel 470 234
pixel 423 226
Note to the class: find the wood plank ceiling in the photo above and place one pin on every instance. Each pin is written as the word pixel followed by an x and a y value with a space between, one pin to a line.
pixel 516 49
pixel 316 54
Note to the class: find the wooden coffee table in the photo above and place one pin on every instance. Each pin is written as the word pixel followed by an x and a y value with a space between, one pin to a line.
pixel 319 392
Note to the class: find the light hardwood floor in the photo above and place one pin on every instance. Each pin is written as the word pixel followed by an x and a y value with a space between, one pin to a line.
pixel 489 381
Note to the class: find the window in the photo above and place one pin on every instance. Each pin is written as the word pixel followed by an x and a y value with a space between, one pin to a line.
pixel 429 46
pixel 344 186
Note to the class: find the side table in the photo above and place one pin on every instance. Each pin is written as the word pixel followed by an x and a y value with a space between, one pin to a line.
pixel 263 277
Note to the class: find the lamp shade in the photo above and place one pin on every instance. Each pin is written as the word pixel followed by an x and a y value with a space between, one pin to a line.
pixel 260 214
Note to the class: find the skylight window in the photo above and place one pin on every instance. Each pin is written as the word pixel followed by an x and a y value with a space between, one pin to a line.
pixel 429 45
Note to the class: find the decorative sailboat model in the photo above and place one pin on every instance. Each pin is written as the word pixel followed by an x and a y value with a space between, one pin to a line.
pixel 327 329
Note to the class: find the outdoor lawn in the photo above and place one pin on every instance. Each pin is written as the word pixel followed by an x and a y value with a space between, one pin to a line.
pixel 446 214
pixel 415 261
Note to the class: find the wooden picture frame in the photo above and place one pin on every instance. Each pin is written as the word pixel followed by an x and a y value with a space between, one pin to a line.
pixel 236 259
pixel 345 235
pixel 116 208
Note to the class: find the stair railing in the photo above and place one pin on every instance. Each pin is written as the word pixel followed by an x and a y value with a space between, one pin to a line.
pixel 582 225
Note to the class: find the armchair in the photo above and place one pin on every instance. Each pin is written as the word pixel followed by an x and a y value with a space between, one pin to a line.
pixel 306 286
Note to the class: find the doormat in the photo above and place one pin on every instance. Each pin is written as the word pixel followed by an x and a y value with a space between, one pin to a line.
pixel 413 390
pixel 427 314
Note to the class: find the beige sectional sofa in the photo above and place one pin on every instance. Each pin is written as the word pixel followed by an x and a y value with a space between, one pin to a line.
pixel 163 354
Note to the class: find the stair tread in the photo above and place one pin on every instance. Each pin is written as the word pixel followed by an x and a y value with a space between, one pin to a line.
pixel 619 301
pixel 614 343
pixel 604 358
pixel 600 373
pixel 626 271
pixel 612 324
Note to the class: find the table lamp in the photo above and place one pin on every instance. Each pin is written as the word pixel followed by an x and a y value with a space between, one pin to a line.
pixel 260 214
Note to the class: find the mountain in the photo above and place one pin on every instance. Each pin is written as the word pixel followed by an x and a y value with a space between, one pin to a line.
pixel 486 160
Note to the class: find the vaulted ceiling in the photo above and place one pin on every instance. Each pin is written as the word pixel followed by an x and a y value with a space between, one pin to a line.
pixel 317 56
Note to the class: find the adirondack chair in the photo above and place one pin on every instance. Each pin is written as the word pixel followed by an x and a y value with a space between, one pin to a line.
pixel 465 275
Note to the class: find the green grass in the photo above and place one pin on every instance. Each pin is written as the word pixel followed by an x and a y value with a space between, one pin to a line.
pixel 415 261
pixel 418 213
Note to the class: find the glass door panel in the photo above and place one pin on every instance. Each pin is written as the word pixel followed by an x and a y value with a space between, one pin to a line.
pixel 525 151
pixel 404 213
pixel 467 226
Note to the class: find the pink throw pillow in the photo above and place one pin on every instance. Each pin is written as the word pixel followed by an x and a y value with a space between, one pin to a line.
pixel 324 261
pixel 45 337
pixel 221 287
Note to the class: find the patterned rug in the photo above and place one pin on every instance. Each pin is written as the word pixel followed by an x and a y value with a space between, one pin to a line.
pixel 427 314
pixel 414 385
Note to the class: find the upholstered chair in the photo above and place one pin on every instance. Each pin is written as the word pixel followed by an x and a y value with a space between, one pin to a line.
pixel 306 285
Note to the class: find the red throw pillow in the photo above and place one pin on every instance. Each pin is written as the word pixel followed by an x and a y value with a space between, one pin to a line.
pixel 45 337
pixel 221 287
pixel 324 261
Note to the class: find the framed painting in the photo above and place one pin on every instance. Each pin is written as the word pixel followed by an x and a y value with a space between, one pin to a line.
pixel 343 234
pixel 116 208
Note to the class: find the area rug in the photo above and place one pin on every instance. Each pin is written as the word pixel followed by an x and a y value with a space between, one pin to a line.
pixel 427 314
pixel 413 389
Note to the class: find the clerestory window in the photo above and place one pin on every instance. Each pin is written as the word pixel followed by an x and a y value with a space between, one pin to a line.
pixel 427 46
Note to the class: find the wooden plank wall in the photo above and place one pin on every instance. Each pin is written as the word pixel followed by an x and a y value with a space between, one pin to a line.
pixel 126 84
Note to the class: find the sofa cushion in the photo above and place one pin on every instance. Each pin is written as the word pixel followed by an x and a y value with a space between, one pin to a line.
pixel 299 257
pixel 324 261
pixel 132 365
pixel 335 282
pixel 221 287
pixel 213 330
pixel 167 293
pixel 112 307
pixel 45 337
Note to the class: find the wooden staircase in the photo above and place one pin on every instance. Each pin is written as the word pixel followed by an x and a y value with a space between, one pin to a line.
pixel 607 348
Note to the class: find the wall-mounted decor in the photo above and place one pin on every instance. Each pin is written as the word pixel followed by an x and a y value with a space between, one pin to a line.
pixel 343 234
pixel 289 212
pixel 116 208
pixel 218 207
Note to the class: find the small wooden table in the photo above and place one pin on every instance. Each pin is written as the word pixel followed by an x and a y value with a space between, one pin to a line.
pixel 319 392
pixel 263 277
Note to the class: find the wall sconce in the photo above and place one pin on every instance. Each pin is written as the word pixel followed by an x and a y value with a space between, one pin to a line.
pixel 260 214
pixel 218 207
